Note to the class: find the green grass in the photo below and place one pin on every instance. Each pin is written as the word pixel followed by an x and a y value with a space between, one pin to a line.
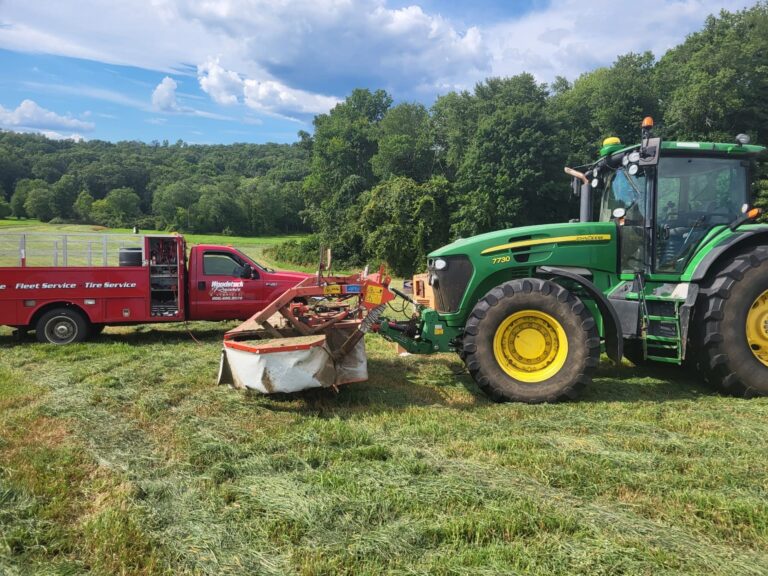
pixel 122 456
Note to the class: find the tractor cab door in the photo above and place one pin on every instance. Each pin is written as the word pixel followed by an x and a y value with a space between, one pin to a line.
pixel 629 192
pixel 694 195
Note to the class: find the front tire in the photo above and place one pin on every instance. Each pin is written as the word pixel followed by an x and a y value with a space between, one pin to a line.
pixel 531 341
pixel 735 321
pixel 61 326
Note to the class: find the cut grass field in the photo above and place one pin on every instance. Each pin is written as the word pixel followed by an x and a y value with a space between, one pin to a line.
pixel 121 456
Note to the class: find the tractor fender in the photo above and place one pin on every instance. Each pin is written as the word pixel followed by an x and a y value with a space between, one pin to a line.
pixel 614 343
pixel 731 244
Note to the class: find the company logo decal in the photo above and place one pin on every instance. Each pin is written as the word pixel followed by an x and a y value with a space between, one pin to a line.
pixel 226 290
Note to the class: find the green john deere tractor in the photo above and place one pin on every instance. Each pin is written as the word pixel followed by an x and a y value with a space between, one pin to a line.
pixel 668 268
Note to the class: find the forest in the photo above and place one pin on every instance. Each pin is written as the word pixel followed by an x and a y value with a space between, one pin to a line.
pixel 380 181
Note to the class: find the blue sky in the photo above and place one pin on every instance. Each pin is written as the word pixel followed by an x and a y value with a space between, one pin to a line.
pixel 221 71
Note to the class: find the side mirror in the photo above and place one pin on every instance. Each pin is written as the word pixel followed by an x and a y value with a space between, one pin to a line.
pixel 649 152
pixel 247 272
pixel 747 214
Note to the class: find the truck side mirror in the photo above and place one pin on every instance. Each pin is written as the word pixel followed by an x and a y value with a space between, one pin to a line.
pixel 247 272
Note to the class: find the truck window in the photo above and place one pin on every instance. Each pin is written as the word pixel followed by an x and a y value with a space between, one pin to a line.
pixel 221 264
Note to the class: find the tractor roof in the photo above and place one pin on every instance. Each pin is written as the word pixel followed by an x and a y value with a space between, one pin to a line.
pixel 718 148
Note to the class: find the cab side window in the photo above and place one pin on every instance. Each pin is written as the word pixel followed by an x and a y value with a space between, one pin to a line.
pixel 694 195
pixel 628 192
pixel 221 264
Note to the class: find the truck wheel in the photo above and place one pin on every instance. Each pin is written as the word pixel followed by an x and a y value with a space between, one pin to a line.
pixel 61 326
pixel 531 341
pixel 735 319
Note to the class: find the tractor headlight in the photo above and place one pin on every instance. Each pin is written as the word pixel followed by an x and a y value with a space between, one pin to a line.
pixel 440 264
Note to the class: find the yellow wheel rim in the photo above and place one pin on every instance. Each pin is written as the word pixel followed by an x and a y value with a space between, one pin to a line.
pixel 757 328
pixel 530 346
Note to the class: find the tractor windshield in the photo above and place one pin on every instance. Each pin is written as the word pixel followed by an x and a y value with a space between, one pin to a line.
pixel 629 192
pixel 694 194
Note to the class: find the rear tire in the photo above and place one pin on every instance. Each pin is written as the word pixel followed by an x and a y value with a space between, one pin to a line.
pixel 61 326
pixel 531 341
pixel 734 353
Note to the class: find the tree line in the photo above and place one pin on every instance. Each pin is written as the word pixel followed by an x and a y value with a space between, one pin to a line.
pixel 379 181
pixel 243 189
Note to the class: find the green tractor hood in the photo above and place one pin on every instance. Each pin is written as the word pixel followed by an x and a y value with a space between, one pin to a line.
pixel 467 268
pixel 542 239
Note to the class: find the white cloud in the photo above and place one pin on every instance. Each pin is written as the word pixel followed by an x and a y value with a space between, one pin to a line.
pixel 223 86
pixel 31 117
pixel 570 37
pixel 53 135
pixel 263 94
pixel 293 57
pixel 323 46
pixel 94 92
pixel 274 97
pixel 164 96
pixel 164 100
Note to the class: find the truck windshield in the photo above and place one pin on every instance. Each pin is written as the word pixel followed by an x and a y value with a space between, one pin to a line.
pixel 694 195
pixel 247 258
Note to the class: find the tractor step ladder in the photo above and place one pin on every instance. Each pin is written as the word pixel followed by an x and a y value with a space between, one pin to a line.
pixel 663 341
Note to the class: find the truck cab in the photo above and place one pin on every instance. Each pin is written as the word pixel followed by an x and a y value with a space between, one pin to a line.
pixel 226 284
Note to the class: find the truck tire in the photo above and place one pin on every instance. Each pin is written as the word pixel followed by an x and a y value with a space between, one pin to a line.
pixel 61 326
pixel 531 341
pixel 734 349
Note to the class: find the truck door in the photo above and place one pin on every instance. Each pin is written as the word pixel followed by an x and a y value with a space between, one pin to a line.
pixel 219 290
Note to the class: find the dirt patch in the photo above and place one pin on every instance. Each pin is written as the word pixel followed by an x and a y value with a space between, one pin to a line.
pixel 42 432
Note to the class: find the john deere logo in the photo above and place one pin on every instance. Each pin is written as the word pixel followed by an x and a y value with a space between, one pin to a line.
pixel 552 240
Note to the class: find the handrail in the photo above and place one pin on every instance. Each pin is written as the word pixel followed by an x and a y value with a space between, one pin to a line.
pixel 31 249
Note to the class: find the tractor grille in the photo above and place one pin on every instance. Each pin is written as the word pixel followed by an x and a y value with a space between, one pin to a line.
pixel 450 283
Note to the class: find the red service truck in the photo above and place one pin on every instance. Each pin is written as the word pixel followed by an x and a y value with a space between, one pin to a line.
pixel 67 287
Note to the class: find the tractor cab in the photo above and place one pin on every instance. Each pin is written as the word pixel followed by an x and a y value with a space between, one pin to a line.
pixel 668 197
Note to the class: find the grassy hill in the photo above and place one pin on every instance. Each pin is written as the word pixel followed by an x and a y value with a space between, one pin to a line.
pixel 122 456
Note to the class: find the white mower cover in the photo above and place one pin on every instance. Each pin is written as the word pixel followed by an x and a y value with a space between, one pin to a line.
pixel 292 364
